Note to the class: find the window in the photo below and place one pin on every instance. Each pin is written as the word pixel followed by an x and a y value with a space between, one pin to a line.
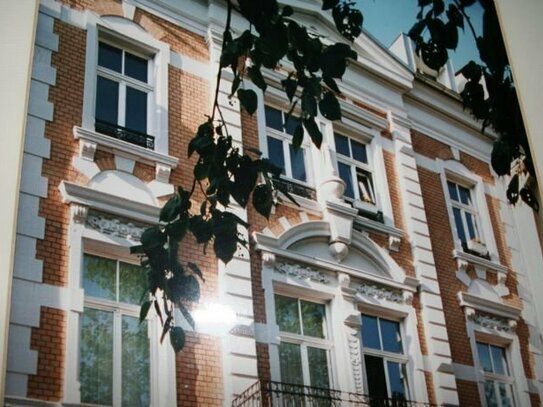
pixel 466 218
pixel 498 386
pixel 384 359
pixel 114 364
pixel 279 134
pixel 123 95
pixel 353 168
pixel 304 348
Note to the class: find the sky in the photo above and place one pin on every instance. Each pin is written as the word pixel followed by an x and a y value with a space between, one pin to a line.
pixel 386 19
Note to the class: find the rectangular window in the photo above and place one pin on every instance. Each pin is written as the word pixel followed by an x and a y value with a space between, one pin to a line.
pixel 384 359
pixel 304 348
pixel 114 363
pixel 279 143
pixel 465 217
pixel 123 93
pixel 498 384
pixel 354 169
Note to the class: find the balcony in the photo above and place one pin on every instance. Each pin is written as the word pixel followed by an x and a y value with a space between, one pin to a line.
pixel 271 394
pixel 125 134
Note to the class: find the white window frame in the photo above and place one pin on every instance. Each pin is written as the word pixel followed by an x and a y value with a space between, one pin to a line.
pixel 508 380
pixel 286 140
pixel 125 81
pixel 308 341
pixel 456 172
pixel 118 309
pixel 124 34
pixel 86 240
pixel 400 358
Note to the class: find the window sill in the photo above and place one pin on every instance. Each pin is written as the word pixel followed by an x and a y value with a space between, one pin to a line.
pixel 394 235
pixel 89 141
pixel 464 259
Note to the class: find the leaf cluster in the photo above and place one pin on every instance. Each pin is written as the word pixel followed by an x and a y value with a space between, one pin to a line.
pixel 435 32
pixel 223 173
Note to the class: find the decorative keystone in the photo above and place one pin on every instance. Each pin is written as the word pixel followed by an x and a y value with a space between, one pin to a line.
pixel 79 213
pixel 87 149
pixel 162 173
pixel 339 250
pixel 394 243
pixel 268 259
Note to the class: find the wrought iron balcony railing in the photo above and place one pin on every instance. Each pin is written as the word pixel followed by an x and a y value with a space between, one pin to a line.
pixel 276 394
pixel 125 134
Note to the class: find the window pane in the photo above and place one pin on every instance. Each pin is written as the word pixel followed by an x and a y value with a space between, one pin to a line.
pixel 464 195
pixel 359 151
pixel 135 363
pixel 318 367
pixel 498 359
pixel 297 164
pixel 484 357
pixel 107 100
pixel 99 277
pixel 365 185
pixel 342 145
pixel 286 314
pixel 375 372
pixel 132 283
pixel 274 118
pixel 290 363
pixel 110 57
pixel 452 191
pixel 370 332
pixel 275 152
pixel 490 394
pixel 459 225
pixel 471 225
pixel 313 319
pixel 506 395
pixel 135 67
pixel 96 357
pixel 136 110
pixel 345 175
pixel 390 336
pixel 396 383
pixel 291 124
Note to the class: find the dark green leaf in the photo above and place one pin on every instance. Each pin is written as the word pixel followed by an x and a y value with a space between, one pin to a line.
pixel 266 166
pixel 329 107
pixel 187 315
pixel 235 85
pixel 165 329
pixel 290 86
pixel 170 211
pixel 137 249
pixel 201 170
pixel 263 199
pixel 455 16
pixel 501 158
pixel 144 310
pixel 439 7
pixel 513 190
pixel 298 137
pixel 472 71
pixel 417 29
pixel 152 238
pixel 225 248
pixel 201 229
pixel 248 100
pixel 194 267
pixel 434 55
pixel 158 312
pixel 256 77
pixel 313 131
pixel 309 103
pixel 331 83
pixel 328 4
pixel 177 230
pixel 287 11
pixel 529 198
pixel 177 338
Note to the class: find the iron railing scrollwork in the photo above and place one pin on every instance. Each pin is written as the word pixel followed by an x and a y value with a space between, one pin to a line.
pixel 125 134
pixel 276 394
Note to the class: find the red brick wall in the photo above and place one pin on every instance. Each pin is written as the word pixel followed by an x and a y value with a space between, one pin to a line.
pixel 199 372
pixel 468 393
pixel 430 147
pixel 49 341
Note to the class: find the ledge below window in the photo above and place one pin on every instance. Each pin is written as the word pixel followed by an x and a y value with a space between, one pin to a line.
pixel 464 259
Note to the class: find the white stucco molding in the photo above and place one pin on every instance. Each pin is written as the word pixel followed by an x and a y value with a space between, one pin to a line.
pixel 73 193
pixel 474 304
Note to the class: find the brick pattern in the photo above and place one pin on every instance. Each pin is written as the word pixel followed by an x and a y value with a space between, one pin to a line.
pixel 535 401
pixel 478 167
pixel 430 147
pixel 442 244
pixel 179 39
pixel 468 393
pixel 199 372
pixel 67 97
pixel 100 7
pixel 48 339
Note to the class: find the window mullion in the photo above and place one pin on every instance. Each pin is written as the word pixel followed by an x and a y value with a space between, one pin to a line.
pixel 122 104
pixel 305 365
pixel 117 358
pixel 286 153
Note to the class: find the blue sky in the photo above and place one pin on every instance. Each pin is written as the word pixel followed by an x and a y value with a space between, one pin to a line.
pixel 386 19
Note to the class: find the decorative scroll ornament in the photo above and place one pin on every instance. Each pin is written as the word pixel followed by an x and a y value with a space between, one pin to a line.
pixel 382 293
pixel 356 360
pixel 492 322
pixel 116 227
pixel 301 272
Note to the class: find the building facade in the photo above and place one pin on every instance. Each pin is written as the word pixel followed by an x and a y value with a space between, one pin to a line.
pixel 403 273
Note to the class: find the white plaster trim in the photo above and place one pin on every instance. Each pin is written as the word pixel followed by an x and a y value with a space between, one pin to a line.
pixel 73 193
pixel 190 65
pixel 491 307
